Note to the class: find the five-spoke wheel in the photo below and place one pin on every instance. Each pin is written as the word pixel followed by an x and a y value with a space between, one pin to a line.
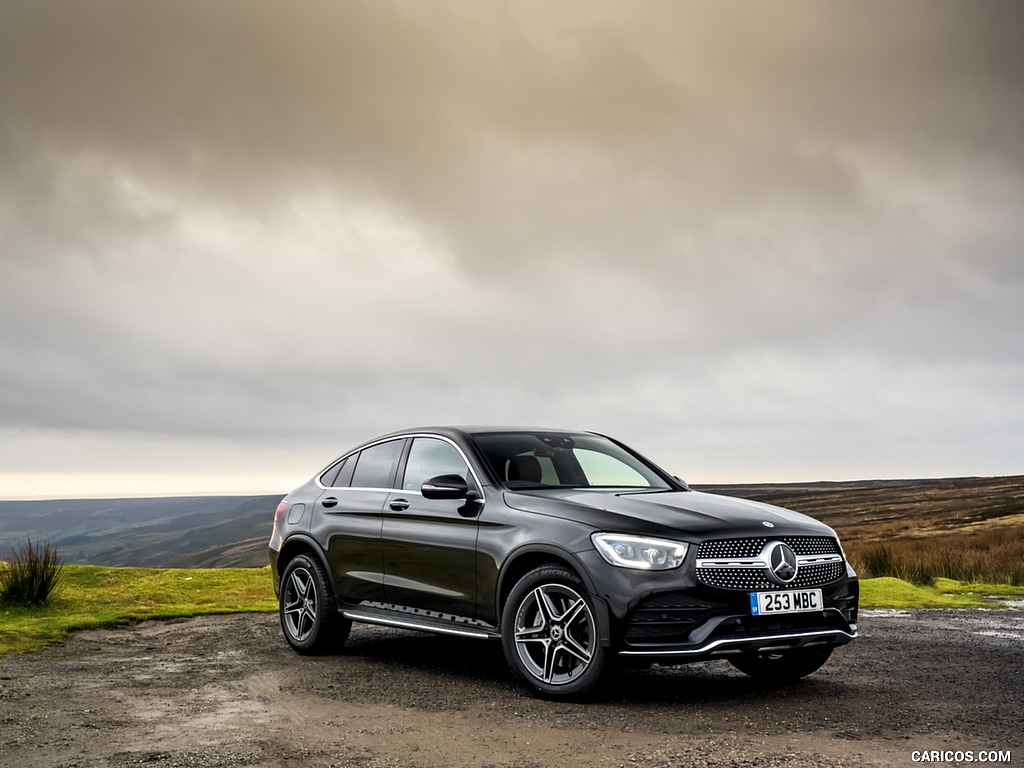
pixel 308 618
pixel 549 633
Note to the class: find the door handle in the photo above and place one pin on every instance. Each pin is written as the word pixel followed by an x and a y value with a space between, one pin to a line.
pixel 399 505
pixel 329 502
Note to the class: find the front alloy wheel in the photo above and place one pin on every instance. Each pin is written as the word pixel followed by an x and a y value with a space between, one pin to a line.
pixel 549 633
pixel 308 618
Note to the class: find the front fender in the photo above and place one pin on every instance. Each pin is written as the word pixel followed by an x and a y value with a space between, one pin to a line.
pixel 524 559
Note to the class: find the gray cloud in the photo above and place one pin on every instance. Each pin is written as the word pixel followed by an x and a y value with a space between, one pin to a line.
pixel 774 242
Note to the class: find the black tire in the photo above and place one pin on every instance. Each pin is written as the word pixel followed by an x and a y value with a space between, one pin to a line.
pixel 782 666
pixel 310 623
pixel 549 633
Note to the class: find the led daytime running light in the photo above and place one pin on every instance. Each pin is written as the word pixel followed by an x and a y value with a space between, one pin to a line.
pixel 640 552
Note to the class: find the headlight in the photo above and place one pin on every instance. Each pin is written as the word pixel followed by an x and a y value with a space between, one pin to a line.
pixel 640 551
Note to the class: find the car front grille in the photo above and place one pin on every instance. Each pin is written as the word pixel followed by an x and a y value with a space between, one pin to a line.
pixel 747 579
pixel 802 545
pixel 745 576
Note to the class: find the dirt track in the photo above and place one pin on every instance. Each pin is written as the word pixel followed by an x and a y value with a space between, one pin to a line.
pixel 226 691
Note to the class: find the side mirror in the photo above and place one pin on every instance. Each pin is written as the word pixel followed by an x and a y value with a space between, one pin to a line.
pixel 445 487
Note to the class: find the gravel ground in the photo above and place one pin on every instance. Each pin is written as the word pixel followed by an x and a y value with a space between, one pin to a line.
pixel 227 691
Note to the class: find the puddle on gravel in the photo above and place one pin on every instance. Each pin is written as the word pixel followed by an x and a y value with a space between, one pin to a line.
pixel 1002 625
pixel 986 622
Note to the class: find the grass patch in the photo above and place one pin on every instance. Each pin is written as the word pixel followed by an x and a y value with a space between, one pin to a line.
pixel 95 596
pixel 889 592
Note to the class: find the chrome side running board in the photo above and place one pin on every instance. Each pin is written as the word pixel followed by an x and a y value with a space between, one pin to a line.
pixel 387 621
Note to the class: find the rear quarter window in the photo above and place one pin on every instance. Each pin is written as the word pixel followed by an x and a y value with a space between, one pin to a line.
pixel 329 479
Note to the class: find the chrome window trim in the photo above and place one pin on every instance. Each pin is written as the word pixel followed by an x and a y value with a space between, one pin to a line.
pixel 406 436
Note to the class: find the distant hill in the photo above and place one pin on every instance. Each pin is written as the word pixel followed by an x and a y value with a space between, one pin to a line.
pixel 226 531
pixel 178 532
pixel 875 510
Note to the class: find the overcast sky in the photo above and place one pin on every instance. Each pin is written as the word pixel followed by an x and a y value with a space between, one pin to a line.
pixel 757 241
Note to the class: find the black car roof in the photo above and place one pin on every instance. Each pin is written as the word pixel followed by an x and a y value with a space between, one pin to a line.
pixel 463 430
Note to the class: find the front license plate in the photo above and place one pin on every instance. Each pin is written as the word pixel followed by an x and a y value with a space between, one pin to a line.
pixel 788 601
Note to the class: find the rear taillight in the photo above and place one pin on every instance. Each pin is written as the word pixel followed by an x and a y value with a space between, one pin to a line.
pixel 280 509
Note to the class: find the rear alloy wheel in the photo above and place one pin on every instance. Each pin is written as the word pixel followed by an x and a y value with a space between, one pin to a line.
pixel 783 665
pixel 308 618
pixel 549 634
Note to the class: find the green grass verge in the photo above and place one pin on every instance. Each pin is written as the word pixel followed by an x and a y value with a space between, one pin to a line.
pixel 888 592
pixel 92 596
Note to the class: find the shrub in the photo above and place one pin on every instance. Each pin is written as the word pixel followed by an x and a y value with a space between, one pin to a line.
pixel 30 577
pixel 989 556
pixel 886 560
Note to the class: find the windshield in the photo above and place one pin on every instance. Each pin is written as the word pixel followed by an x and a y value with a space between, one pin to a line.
pixel 540 460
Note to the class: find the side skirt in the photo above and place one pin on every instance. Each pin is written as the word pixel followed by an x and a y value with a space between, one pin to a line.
pixel 420 624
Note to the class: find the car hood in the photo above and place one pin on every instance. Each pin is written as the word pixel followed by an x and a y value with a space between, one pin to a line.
pixel 686 513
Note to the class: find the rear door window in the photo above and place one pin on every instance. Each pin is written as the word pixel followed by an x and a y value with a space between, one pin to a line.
pixel 375 466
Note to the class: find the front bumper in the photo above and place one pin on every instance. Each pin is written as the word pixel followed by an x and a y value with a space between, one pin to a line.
pixel 731 635
pixel 671 615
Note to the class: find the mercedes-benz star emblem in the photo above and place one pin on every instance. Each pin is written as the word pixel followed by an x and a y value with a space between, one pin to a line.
pixel 781 563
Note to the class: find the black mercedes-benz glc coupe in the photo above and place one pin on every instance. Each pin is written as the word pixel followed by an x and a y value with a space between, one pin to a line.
pixel 568 547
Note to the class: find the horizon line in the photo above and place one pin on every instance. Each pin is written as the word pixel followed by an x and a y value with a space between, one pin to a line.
pixel 241 491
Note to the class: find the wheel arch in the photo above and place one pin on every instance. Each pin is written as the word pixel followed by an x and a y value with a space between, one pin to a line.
pixel 299 544
pixel 522 561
